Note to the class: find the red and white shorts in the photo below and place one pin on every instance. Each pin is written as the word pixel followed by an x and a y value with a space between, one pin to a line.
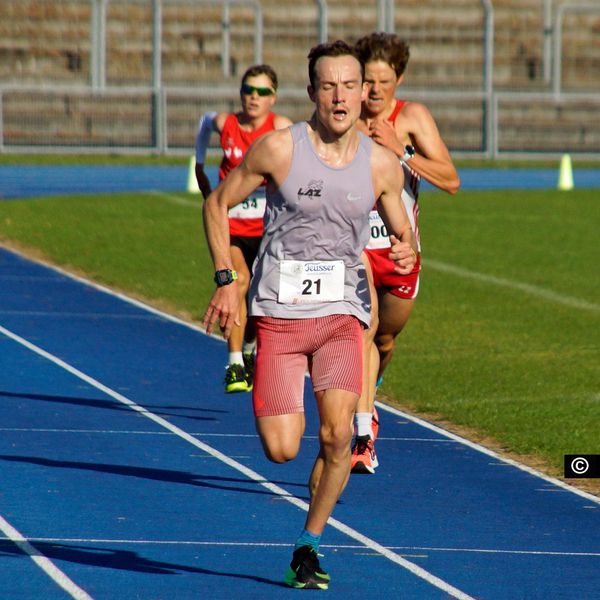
pixel 330 347
pixel 384 276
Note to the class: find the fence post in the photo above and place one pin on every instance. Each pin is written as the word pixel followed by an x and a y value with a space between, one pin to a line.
pixel 488 79
pixel 156 44
pixel 1 122
pixel 258 33
pixel 98 49
pixel 158 114
pixel 547 46
pixel 385 16
pixel 225 23
pixel 323 20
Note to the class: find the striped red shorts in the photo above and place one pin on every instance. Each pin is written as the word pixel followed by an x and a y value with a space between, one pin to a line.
pixel 330 347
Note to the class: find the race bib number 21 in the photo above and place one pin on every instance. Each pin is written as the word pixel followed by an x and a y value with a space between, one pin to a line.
pixel 303 282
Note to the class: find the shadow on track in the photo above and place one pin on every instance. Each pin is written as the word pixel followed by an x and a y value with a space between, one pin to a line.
pixel 168 475
pixel 120 559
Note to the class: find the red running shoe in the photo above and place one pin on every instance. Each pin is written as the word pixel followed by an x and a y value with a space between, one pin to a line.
pixel 375 423
pixel 364 458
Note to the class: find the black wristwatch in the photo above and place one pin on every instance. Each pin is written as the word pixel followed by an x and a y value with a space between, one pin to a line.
pixel 409 152
pixel 225 277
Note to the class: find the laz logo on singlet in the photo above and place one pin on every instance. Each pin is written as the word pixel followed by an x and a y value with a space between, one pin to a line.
pixel 312 190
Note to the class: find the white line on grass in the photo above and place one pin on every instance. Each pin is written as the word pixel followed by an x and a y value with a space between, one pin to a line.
pixel 177 200
pixel 253 475
pixel 533 290
pixel 43 562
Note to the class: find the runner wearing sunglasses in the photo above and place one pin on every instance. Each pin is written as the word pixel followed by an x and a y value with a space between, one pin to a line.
pixel 258 93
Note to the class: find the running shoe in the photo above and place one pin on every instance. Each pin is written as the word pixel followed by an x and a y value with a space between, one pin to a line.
pixel 375 424
pixel 305 572
pixel 364 459
pixel 249 368
pixel 235 379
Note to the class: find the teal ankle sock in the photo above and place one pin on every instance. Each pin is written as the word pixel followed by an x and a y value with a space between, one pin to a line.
pixel 307 538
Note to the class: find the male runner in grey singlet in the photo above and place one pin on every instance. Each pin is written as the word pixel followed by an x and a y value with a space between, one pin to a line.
pixel 309 296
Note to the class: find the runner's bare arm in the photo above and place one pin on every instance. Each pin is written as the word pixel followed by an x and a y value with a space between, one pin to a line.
pixel 281 122
pixel 432 160
pixel 388 180
pixel 264 159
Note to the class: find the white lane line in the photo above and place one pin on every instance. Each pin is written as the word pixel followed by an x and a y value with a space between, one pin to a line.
pixel 533 290
pixel 282 545
pixel 173 199
pixel 203 434
pixel 488 452
pixel 43 562
pixel 253 475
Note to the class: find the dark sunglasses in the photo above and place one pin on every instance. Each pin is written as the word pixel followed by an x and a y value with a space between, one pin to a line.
pixel 248 90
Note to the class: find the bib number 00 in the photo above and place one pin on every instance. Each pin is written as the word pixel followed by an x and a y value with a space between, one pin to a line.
pixel 379 235
pixel 304 282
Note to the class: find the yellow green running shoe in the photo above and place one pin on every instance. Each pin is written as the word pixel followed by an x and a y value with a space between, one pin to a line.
pixel 305 572
pixel 249 368
pixel 235 379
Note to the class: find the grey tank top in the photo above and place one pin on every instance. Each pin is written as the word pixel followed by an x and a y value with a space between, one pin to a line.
pixel 320 213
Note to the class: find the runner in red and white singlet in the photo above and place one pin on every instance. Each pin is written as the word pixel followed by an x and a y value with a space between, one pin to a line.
pixel 409 130
pixel 377 250
pixel 258 93
pixel 246 219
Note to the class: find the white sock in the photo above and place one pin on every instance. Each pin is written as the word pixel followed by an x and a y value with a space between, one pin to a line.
pixel 249 347
pixel 363 424
pixel 235 358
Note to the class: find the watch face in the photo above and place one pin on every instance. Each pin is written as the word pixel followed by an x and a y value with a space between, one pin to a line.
pixel 223 277
pixel 409 150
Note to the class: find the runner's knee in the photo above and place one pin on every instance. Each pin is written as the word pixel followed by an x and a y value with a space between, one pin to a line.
pixel 280 453
pixel 335 439
pixel 281 436
pixel 385 343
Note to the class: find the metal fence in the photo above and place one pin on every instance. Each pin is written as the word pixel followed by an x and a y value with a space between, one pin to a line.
pixel 120 92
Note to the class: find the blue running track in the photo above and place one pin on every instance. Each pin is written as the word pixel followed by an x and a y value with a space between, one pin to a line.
pixel 126 473
pixel 24 181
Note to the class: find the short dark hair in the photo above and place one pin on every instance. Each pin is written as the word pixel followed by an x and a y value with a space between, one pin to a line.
pixel 387 47
pixel 267 70
pixel 337 48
